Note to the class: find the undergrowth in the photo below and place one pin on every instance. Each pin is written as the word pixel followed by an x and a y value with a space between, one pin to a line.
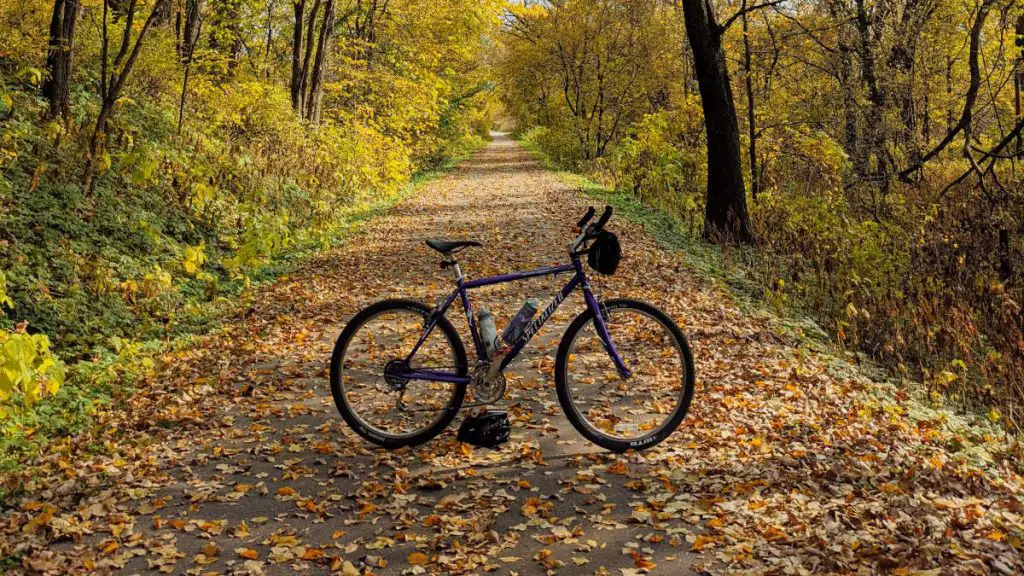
pixel 731 270
pixel 113 367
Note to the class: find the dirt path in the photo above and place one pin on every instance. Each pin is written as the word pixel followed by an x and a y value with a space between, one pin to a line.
pixel 788 463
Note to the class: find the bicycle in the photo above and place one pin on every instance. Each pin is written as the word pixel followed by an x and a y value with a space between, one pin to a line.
pixel 400 359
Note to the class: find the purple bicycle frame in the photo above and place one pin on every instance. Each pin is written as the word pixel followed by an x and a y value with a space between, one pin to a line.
pixel 461 292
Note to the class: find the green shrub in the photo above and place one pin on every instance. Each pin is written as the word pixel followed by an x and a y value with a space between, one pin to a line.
pixel 661 163
pixel 28 370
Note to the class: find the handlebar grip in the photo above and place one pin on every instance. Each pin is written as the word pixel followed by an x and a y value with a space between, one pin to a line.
pixel 604 218
pixel 586 218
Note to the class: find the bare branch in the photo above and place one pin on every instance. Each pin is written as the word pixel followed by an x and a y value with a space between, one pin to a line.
pixel 971 96
pixel 746 10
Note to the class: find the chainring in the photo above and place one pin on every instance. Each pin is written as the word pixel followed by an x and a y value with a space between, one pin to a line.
pixel 488 389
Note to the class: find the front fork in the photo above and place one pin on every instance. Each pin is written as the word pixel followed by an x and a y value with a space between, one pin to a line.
pixel 601 323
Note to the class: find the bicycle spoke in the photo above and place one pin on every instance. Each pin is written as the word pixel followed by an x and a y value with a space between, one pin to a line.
pixel 389 404
pixel 633 408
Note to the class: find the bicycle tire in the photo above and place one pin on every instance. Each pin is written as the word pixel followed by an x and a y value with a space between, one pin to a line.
pixel 580 422
pixel 385 440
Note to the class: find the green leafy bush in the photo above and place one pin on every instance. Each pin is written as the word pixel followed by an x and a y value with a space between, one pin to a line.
pixel 28 370
pixel 662 161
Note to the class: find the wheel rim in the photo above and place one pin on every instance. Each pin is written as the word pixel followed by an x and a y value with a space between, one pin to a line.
pixel 626 410
pixel 387 338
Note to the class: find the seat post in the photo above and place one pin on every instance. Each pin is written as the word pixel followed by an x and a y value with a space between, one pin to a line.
pixel 451 262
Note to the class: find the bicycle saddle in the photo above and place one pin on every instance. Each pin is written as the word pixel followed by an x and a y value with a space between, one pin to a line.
pixel 449 246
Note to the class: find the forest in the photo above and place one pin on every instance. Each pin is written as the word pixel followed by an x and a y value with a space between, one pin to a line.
pixel 867 151
pixel 826 195
pixel 159 156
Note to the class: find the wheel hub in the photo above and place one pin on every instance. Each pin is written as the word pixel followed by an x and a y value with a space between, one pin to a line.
pixel 395 383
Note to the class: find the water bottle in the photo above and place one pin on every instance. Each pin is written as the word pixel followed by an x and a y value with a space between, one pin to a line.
pixel 488 332
pixel 521 320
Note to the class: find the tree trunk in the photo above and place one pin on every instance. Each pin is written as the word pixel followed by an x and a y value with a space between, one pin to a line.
pixel 190 32
pixel 875 124
pixel 970 97
pixel 188 56
pixel 299 7
pixel 316 83
pixel 725 217
pixel 307 59
pixel 112 79
pixel 851 113
pixel 57 87
pixel 751 112
pixel 1018 79
pixel 271 6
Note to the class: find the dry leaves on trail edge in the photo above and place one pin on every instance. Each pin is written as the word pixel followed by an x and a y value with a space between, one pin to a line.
pixel 789 462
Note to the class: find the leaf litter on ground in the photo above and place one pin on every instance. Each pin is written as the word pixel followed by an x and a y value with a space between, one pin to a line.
pixel 231 458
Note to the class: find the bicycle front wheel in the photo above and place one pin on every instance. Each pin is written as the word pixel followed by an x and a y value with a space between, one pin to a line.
pixel 387 411
pixel 619 413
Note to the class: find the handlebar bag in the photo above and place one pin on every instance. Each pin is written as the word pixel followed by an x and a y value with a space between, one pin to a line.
pixel 605 253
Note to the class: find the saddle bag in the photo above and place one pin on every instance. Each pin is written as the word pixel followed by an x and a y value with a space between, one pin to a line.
pixel 605 253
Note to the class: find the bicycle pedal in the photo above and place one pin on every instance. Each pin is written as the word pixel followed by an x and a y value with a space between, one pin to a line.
pixel 489 429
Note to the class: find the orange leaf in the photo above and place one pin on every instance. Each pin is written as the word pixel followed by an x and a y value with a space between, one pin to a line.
pixel 703 542
pixel 642 562
pixel 313 554
pixel 417 558
pixel 618 468
pixel 247 553
pixel 432 520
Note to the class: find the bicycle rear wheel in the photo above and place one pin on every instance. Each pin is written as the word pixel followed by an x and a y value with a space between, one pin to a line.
pixel 621 414
pixel 386 411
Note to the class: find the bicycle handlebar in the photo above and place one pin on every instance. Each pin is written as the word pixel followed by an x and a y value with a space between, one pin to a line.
pixel 590 232
pixel 586 217
pixel 603 220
